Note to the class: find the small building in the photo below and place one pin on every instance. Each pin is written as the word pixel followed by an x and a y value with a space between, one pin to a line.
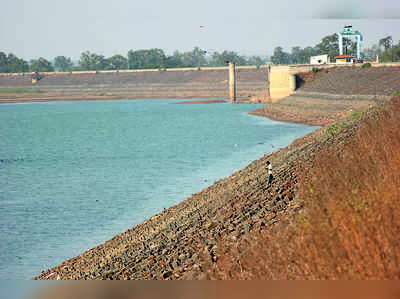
pixel 320 59
pixel 344 58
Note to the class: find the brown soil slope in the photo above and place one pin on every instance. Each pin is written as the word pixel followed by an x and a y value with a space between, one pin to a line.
pixel 169 245
pixel 335 95
pixel 172 244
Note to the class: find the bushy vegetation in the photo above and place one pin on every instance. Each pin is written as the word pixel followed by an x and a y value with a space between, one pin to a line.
pixel 315 70
pixel 349 225
pixel 391 51
pixel 395 93
pixel 366 65
pixel 157 59
pixel 138 59
pixel 385 49
pixel 328 45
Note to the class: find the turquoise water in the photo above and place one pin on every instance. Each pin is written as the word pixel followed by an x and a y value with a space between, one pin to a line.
pixel 74 174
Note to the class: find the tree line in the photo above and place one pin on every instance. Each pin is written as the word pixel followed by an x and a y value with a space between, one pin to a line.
pixel 385 49
pixel 155 58
pixel 139 59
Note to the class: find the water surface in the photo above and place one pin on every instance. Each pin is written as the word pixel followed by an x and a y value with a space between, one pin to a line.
pixel 74 174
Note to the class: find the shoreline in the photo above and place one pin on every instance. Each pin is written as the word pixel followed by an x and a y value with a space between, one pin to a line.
pixel 318 109
pixel 174 243
pixel 201 102
pixel 191 221
pixel 100 98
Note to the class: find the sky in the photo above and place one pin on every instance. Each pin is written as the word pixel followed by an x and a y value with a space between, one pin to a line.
pixel 49 28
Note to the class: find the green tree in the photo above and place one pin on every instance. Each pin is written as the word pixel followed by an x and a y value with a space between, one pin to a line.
pixel 308 52
pixel 280 57
pixel 146 59
pixel 391 54
pixel 329 45
pixel 41 65
pixel 92 62
pixel 3 63
pixel 194 58
pixel 118 62
pixel 63 64
pixel 370 53
pixel 386 42
pixel 295 55
pixel 174 61
pixel 85 61
pixel 255 60
pixel 220 59
pixel 16 65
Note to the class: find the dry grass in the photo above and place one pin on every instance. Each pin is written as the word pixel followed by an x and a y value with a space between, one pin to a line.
pixel 350 222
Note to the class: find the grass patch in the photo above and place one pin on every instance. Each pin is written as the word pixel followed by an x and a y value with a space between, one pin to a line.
pixel 366 65
pixel 19 90
pixel 335 129
pixel 356 115
pixel 395 93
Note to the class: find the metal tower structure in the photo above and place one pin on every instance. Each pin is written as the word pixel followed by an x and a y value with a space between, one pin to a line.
pixel 348 32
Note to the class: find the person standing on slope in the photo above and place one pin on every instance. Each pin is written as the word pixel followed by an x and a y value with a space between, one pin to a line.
pixel 269 169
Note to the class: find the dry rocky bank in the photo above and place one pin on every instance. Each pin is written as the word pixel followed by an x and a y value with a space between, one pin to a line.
pixel 335 95
pixel 172 244
pixel 175 84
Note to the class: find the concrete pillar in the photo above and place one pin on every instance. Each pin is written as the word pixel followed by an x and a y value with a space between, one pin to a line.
pixel 268 83
pixel 232 82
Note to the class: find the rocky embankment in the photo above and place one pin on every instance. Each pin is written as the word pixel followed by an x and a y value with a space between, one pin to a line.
pixel 335 95
pixel 177 84
pixel 173 244
pixel 169 245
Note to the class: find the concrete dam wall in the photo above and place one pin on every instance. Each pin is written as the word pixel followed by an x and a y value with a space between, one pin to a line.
pixel 171 83
pixel 259 84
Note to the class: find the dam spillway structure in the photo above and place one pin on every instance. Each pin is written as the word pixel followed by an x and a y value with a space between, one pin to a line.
pixel 348 32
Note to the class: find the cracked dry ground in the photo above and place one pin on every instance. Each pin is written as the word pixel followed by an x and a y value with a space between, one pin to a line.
pixel 169 245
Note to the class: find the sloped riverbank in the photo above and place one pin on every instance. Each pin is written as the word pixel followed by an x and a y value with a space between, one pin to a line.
pixel 174 243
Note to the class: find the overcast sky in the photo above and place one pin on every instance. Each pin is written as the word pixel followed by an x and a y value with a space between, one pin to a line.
pixel 48 28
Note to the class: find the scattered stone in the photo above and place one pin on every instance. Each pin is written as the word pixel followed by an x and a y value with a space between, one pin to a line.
pixel 166 246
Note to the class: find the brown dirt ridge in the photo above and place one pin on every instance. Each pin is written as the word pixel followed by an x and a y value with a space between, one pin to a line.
pixel 185 241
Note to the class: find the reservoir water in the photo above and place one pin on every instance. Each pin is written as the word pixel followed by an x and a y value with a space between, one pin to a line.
pixel 74 174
